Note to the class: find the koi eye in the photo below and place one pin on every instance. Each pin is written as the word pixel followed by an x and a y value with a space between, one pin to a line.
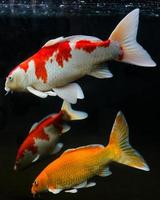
pixel 10 78
pixel 35 183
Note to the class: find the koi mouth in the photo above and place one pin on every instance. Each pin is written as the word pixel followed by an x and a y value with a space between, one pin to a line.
pixel 7 90
pixel 33 193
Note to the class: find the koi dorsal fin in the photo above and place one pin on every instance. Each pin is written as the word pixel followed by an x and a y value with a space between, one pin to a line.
pixel 94 146
pixel 37 123
pixel 53 41
pixel 33 126
pixel 82 37
pixel 70 38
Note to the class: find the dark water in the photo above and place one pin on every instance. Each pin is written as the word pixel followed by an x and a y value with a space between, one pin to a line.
pixel 134 90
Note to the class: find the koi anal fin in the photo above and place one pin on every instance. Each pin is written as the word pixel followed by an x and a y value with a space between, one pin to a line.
pixel 101 72
pixel 105 172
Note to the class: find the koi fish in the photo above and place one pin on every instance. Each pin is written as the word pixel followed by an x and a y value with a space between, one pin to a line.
pixel 75 166
pixel 43 136
pixel 61 61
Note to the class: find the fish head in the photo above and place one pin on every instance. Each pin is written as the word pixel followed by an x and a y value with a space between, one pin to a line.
pixel 24 158
pixel 16 80
pixel 19 159
pixel 40 184
pixel 20 164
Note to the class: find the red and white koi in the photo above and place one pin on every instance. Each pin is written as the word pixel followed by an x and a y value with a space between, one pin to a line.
pixel 61 61
pixel 43 136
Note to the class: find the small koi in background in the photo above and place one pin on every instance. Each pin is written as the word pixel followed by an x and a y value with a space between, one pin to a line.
pixel 62 61
pixel 75 166
pixel 43 136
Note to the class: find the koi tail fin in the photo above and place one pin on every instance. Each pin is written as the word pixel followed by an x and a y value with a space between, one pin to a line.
pixel 70 114
pixel 125 34
pixel 119 144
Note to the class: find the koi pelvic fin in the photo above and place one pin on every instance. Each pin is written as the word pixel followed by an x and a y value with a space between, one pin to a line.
pixel 54 191
pixel 57 148
pixel 70 114
pixel 119 144
pixel 70 92
pixel 125 34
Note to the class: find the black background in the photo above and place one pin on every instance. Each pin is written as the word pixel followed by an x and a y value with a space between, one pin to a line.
pixel 134 90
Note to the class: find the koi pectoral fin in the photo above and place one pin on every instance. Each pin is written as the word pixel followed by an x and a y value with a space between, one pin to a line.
pixel 54 191
pixel 70 92
pixel 51 93
pixel 36 158
pixel 36 92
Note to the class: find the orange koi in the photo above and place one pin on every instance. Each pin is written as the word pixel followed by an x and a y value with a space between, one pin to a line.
pixel 75 166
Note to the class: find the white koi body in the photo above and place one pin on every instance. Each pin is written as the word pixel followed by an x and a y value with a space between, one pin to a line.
pixel 64 60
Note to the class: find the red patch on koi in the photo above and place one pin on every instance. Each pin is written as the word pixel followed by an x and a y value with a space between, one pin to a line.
pixel 55 120
pixel 11 72
pixel 58 120
pixel 62 53
pixel 39 60
pixel 89 46
pixel 38 133
pixel 24 66
pixel 29 143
